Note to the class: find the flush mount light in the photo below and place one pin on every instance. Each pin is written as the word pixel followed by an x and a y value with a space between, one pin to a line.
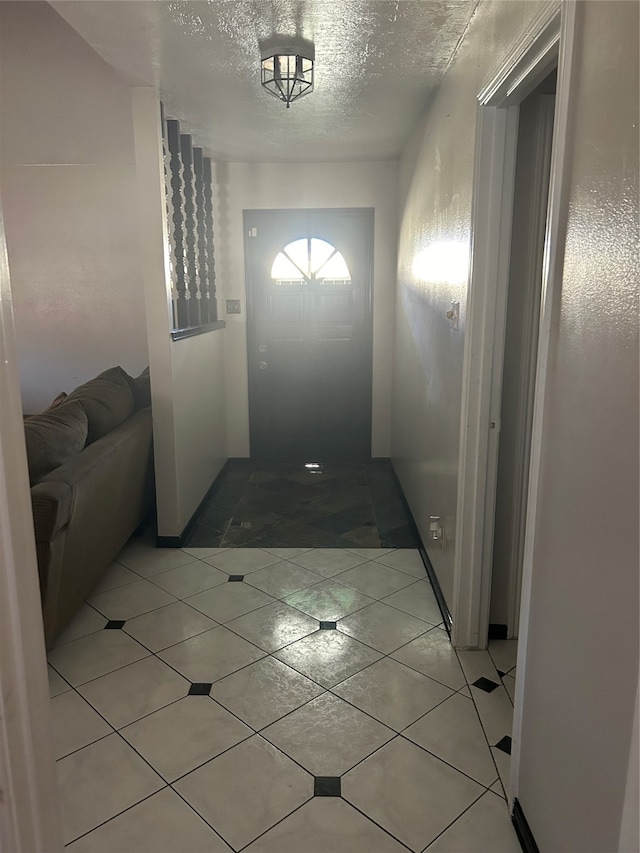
pixel 287 69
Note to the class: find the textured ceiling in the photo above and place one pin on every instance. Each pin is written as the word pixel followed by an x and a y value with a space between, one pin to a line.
pixel 376 63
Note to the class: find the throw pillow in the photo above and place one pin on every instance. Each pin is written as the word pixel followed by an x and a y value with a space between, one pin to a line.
pixel 53 437
pixel 107 400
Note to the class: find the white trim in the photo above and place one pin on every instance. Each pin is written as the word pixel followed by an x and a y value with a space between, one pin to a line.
pixel 551 291
pixel 495 170
pixel 531 59
pixel 29 811
pixel 496 142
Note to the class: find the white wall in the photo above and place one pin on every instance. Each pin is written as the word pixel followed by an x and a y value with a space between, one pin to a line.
pixel 434 245
pixel 578 769
pixel 187 376
pixel 29 806
pixel 249 186
pixel 581 669
pixel 68 178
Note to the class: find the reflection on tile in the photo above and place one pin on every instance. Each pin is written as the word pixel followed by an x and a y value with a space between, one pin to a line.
pixel 452 731
pixel 328 736
pixel 432 654
pixel 210 656
pixel 390 788
pixel 328 600
pixel 405 560
pixel 75 723
pixel 374 579
pixel 264 691
pixel 99 781
pixel 145 560
pixel 202 553
pixel 371 553
pixel 229 600
pixel 326 824
pixel 383 627
pixel 273 626
pixel 392 693
pixel 242 561
pixel 286 553
pixel 86 621
pixel 131 600
pixel 418 600
pixel 180 737
pixel 485 826
pixel 282 579
pixel 190 579
pixel 134 691
pixel 95 655
pixel 328 657
pixel 168 625
pixel 163 822
pixel 246 790
pixel 328 561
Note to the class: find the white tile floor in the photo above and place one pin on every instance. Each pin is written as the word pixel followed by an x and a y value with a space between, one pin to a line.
pixel 311 703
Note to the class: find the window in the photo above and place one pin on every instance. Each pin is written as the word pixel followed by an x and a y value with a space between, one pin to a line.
pixel 310 260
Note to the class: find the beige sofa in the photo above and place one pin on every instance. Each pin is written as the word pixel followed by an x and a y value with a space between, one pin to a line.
pixel 90 464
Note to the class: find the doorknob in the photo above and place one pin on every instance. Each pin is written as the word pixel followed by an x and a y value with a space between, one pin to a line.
pixel 263 365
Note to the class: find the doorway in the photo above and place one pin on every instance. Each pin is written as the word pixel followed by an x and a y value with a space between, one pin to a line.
pixel 515 377
pixel 309 337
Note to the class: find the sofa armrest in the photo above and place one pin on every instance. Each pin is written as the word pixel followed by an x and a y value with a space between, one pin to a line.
pixel 51 502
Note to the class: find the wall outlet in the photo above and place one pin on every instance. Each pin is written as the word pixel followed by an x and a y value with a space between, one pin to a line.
pixel 233 306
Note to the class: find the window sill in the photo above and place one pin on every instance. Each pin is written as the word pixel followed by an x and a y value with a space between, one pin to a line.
pixel 190 332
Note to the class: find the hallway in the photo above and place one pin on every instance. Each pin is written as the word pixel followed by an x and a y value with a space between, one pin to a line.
pixel 287 700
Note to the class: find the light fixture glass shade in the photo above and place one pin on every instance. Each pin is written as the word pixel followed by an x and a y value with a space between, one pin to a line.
pixel 287 74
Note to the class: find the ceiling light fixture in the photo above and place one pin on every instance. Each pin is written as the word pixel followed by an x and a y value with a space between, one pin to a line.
pixel 287 69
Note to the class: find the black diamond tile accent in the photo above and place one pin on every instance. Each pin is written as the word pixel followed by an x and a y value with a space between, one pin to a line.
pixel 114 624
pixel 485 684
pixel 200 688
pixel 328 626
pixel 326 786
pixel 236 578
pixel 504 744
pixel 501 673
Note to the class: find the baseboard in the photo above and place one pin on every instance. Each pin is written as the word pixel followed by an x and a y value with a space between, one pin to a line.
pixel 497 631
pixel 437 590
pixel 523 830
pixel 178 541
pixel 431 574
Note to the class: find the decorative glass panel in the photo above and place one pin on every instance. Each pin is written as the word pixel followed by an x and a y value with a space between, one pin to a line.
pixel 310 259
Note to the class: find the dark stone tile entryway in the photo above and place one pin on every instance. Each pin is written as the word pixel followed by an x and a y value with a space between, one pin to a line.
pixel 293 505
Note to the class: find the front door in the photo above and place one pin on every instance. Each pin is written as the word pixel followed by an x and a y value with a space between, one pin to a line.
pixel 309 283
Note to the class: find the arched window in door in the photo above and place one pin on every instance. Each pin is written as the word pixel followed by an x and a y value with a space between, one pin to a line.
pixel 310 260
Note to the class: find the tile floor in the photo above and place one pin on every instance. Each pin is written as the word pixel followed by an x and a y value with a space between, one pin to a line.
pixel 294 505
pixel 286 700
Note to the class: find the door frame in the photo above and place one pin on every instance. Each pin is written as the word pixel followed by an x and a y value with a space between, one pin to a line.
pixel 29 802
pixel 548 42
pixel 368 214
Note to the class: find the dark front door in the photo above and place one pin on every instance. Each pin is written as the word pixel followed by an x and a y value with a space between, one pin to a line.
pixel 309 282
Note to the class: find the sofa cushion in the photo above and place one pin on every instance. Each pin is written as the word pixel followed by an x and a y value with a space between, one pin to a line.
pixel 107 400
pixel 53 437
